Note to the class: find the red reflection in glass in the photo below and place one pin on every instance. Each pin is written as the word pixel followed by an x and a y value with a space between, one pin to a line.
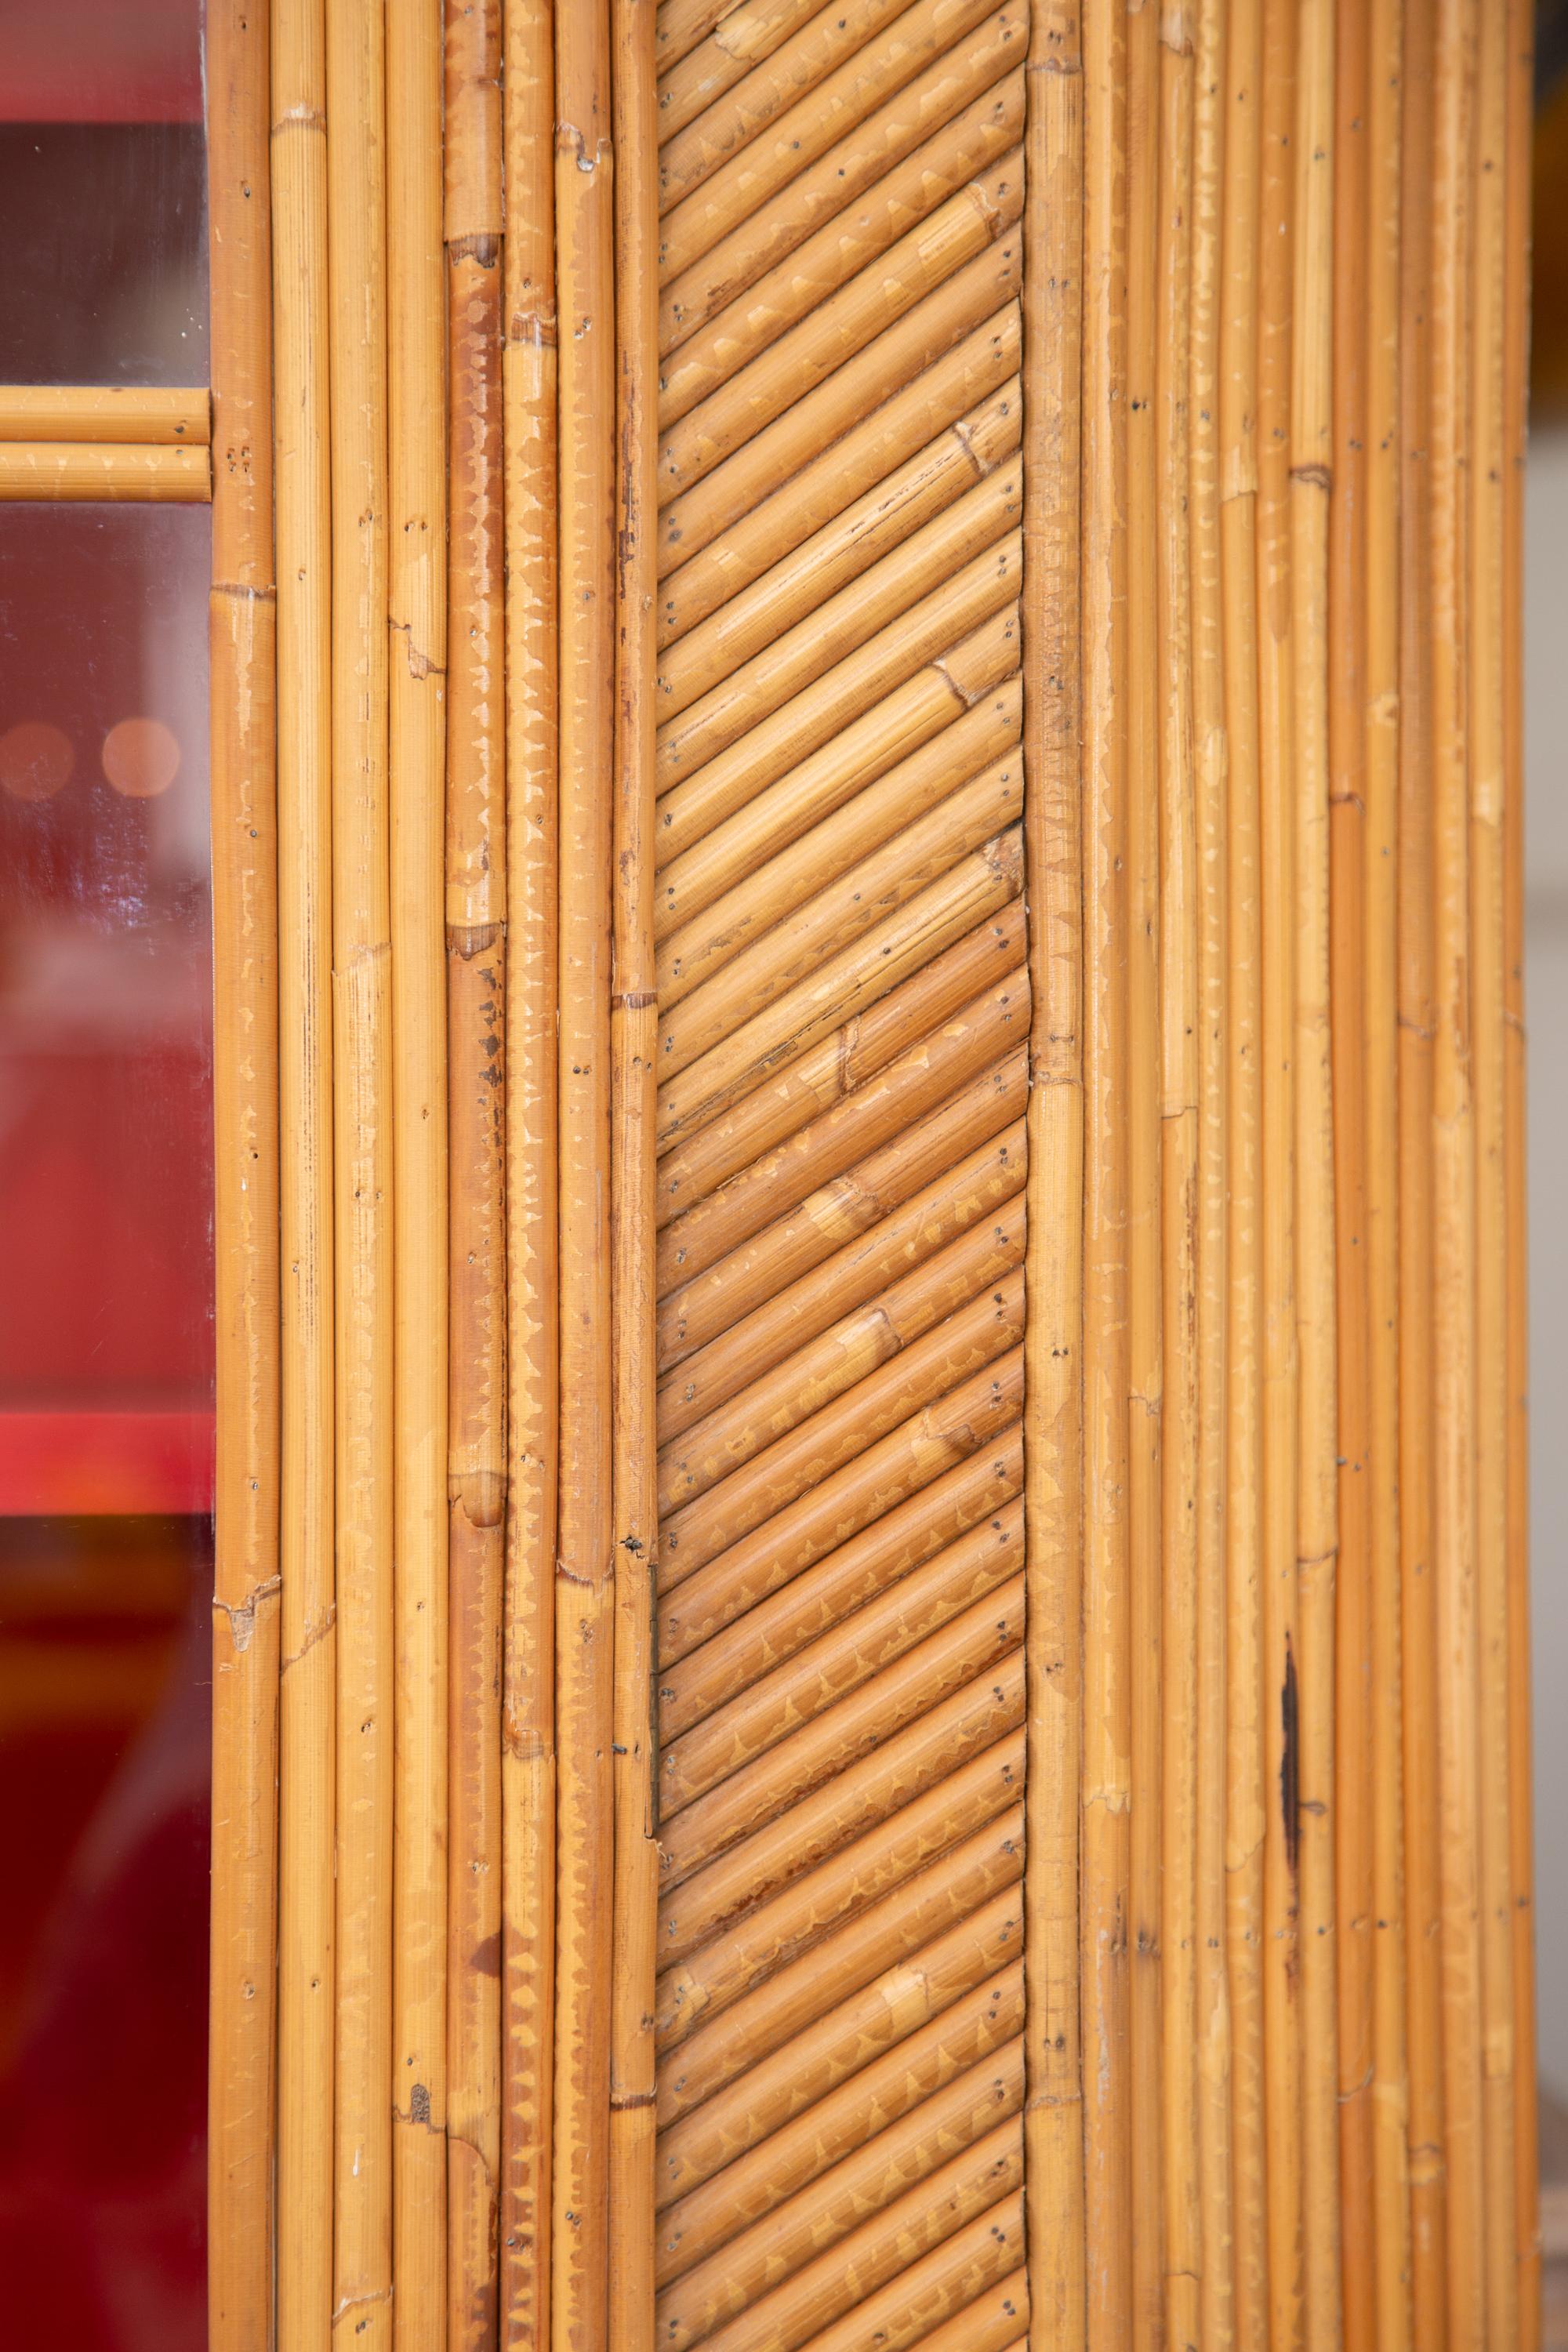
pixel 106 1397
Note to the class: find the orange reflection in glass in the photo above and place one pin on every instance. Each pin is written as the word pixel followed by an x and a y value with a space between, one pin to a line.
pixel 35 760
pixel 140 758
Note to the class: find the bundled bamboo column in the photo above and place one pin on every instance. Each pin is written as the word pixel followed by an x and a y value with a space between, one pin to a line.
pixel 306 1982
pixel 246 1611
pixel 584 1622
pixel 1053 313
pixel 634 1043
pixel 417 481
pixel 528 1654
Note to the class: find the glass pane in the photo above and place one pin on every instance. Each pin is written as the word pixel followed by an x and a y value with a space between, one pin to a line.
pixel 102 192
pixel 106 1401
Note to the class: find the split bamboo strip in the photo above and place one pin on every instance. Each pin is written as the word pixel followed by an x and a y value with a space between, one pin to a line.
pixel 1311 453
pixel 306 1985
pixel 363 1171
pixel 1106 1598
pixel 416 774
pixel 1417 1022
pixel 114 472
pixel 1178 2316
pixel 242 2017
pixel 528 1667
pixel 476 943
pixel 1516 332
pixel 634 1036
pixel 1486 466
pixel 104 413
pixel 584 1622
pixel 1391 2252
pixel 1211 2029
pixel 1453 1149
pixel 1279 913
pixel 1148 269
pixel 1246 1798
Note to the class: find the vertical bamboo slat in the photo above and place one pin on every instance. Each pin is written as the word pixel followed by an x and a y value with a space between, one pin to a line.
pixel 476 910
pixel 528 1668
pixel 242 2022
pixel 306 1983
pixel 634 1043
pixel 1053 1491
pixel 416 644
pixel 362 1170
pixel 585 1624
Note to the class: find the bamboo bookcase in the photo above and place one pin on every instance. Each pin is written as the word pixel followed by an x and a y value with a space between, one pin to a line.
pixel 871 1673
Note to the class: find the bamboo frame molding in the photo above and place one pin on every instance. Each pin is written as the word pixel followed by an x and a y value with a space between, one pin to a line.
pixel 872 1649
pixel 104 442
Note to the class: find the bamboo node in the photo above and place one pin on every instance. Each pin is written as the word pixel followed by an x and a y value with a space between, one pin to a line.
pixel 241 1615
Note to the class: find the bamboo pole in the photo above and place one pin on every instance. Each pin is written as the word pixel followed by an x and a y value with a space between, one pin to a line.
pixel 361 1170
pixel 476 941
pixel 1245 1792
pixel 1417 1021
pixel 242 2021
pixel 633 1033
pixel 1211 2031
pixel 527 1671
pixel 584 1592
pixel 416 783
pixel 1454 1183
pixel 1380 900
pixel 1486 468
pixel 105 412
pixel 1139 1114
pixel 1179 2315
pixel 110 472
pixel 1317 1524
pixel 306 1987
pixel 1107 1628
pixel 1516 335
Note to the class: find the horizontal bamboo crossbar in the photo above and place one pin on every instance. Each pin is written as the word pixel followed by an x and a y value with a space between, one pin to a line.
pixel 117 472
pixel 100 412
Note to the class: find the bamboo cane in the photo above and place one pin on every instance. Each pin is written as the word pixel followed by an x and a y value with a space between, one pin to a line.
pixel 528 1681
pixel 306 1989
pixel 1417 1021
pixel 242 2027
pixel 949 2280
pixel 417 776
pixel 1107 1625
pixel 585 1623
pixel 1245 1793
pixel 363 1171
pixel 111 472
pixel 105 412
pixel 1179 2310
pixel 634 1028
pixel 475 909
pixel 755 29
pixel 1454 1184
pixel 1215 2306
pixel 1391 2254
pixel 1485 690
pixel 1515 329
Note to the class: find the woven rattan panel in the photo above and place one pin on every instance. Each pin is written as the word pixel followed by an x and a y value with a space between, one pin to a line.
pixel 844 1012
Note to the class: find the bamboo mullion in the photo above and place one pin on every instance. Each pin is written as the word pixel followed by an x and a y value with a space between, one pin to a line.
pixel 1053 311
pixel 634 1044
pixel 528 1668
pixel 417 489
pixel 1379 542
pixel 1180 1050
pixel 1516 337
pixel 1317 1518
pixel 362 1172
pixel 1107 1624
pixel 1417 1019
pixel 1211 2031
pixel 1147 269
pixel 247 1612
pixel 306 1986
pixel 585 200
pixel 1485 462
pixel 1246 1797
